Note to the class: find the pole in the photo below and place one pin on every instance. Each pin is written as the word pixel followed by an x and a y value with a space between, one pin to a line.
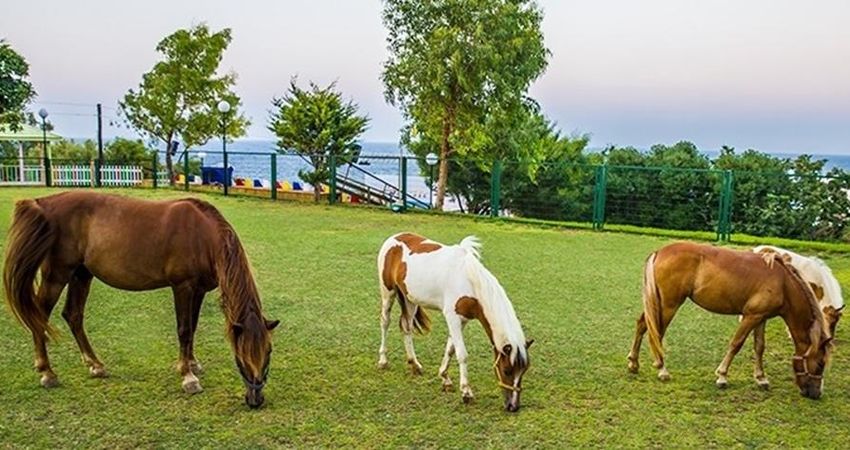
pixel 403 175
pixel 224 151
pixel 495 188
pixel 186 169
pixel 48 177
pixel 153 168
pixel 274 176
pixel 332 180
pixel 431 189
pixel 99 162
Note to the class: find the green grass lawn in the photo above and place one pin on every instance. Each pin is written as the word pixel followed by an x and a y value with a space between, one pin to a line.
pixel 576 292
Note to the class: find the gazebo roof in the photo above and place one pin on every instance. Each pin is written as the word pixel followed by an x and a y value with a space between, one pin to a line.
pixel 26 133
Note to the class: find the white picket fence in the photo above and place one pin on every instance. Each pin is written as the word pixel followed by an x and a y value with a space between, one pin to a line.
pixel 73 175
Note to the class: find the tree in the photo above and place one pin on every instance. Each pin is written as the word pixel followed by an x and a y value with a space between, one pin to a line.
pixel 317 124
pixel 15 89
pixel 455 64
pixel 122 151
pixel 178 97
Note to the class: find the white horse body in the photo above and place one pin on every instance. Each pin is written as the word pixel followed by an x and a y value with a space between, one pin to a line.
pixel 421 273
pixel 815 271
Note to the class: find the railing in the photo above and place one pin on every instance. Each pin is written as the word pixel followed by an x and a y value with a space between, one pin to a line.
pixel 21 174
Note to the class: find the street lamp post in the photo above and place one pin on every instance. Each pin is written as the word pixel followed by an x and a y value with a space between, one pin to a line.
pixel 48 178
pixel 202 155
pixel 432 160
pixel 224 108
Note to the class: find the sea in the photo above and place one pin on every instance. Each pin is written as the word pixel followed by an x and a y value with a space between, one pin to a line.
pixel 383 170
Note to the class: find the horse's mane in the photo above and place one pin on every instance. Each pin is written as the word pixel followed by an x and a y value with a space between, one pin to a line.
pixel 831 286
pixel 495 303
pixel 816 331
pixel 239 294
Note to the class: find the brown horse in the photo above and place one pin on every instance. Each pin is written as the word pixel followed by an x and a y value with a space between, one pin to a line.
pixel 134 245
pixel 732 282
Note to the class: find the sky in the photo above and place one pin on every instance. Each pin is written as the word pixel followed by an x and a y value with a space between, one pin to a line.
pixel 767 74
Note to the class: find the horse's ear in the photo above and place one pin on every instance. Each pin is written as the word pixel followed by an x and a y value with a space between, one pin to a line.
pixel 840 309
pixel 506 350
pixel 237 329
pixel 272 324
pixel 528 343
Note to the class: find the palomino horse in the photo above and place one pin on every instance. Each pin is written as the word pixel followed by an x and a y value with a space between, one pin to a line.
pixel 420 273
pixel 733 282
pixel 134 245
pixel 819 276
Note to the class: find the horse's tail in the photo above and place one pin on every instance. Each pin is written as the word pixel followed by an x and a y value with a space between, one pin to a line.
pixel 30 239
pixel 652 307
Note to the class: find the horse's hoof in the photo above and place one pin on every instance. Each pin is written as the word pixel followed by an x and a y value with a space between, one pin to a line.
pixel 416 369
pixel 633 366
pixel 448 386
pixel 383 365
pixel 664 376
pixel 98 372
pixel 192 387
pixel 763 384
pixel 467 398
pixel 49 381
pixel 721 384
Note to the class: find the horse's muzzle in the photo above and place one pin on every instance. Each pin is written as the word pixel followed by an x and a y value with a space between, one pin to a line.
pixel 254 398
pixel 511 401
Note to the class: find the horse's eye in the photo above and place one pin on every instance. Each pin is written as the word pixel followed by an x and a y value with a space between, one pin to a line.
pixel 507 371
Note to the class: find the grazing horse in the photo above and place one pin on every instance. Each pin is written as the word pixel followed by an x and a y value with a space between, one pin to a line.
pixel 733 282
pixel 420 273
pixel 134 245
pixel 819 276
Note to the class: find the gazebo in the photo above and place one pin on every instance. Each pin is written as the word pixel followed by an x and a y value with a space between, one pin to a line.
pixel 25 133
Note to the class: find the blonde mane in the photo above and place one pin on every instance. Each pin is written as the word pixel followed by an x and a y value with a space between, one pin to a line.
pixel 495 303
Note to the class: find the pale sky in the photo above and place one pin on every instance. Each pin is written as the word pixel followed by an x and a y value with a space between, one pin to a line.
pixel 768 74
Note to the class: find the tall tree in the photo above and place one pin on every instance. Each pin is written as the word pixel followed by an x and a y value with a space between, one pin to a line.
pixel 15 89
pixel 316 124
pixel 178 97
pixel 454 63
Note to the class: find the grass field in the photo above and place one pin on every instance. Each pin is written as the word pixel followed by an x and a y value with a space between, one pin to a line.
pixel 576 293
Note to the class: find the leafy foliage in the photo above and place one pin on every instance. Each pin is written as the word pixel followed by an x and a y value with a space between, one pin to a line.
pixel 446 71
pixel 16 91
pixel 180 94
pixel 316 123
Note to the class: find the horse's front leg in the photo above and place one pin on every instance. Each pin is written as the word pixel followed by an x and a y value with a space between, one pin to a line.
pixel 444 366
pixel 758 346
pixel 747 324
pixel 183 306
pixel 455 325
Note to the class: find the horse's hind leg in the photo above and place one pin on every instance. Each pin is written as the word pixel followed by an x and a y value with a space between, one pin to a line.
pixel 444 366
pixel 184 295
pixel 758 341
pixel 386 307
pixel 74 313
pixel 747 325
pixel 197 302
pixel 640 330
pixel 407 325
pixel 52 283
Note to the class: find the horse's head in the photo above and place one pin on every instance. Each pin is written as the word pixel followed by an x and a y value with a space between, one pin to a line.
pixel 809 367
pixel 509 373
pixel 252 345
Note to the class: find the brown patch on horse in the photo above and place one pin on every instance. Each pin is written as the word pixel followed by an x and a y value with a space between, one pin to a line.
pixel 469 308
pixel 818 290
pixel 395 270
pixel 417 243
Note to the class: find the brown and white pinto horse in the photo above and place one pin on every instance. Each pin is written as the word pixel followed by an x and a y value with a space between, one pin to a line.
pixel 134 245
pixel 420 273
pixel 733 282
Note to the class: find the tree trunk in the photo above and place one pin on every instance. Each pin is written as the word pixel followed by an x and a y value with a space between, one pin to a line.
pixel 317 192
pixel 443 177
pixel 169 165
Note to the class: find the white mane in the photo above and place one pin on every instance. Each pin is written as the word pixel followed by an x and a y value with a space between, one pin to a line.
pixel 494 302
pixel 813 270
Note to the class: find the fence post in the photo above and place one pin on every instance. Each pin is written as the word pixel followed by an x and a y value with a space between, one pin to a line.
pixel 186 169
pixel 274 176
pixel 48 172
pixel 332 180
pixel 404 183
pixel 496 188
pixel 153 168
pixel 599 194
